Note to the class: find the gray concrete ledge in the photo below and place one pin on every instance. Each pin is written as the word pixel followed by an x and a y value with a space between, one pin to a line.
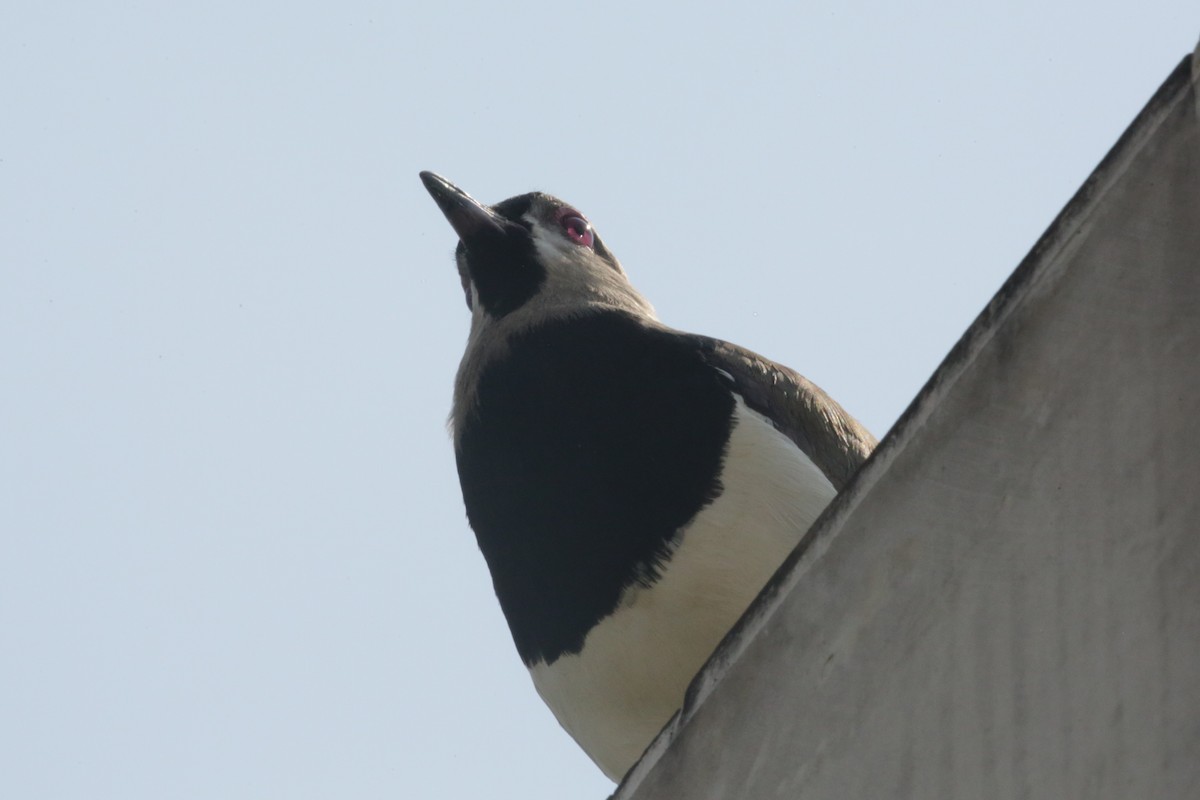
pixel 1006 601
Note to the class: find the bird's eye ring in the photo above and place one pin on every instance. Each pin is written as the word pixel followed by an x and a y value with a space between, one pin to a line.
pixel 577 229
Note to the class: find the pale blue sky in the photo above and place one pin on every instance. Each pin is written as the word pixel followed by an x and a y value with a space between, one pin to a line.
pixel 233 560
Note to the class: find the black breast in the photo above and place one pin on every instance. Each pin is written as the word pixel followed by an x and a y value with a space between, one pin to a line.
pixel 595 441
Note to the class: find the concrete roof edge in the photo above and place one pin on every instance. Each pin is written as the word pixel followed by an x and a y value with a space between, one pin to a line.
pixel 1035 267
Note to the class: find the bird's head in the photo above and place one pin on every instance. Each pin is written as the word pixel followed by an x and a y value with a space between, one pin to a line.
pixel 532 254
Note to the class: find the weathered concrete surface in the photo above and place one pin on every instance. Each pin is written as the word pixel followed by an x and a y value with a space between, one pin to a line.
pixel 1007 601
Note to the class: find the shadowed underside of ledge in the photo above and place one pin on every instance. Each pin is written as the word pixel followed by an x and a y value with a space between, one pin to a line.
pixel 1004 603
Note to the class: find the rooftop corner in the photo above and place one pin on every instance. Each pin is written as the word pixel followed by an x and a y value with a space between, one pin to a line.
pixel 1005 600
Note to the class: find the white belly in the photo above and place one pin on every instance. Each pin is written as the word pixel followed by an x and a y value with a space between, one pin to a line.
pixel 615 695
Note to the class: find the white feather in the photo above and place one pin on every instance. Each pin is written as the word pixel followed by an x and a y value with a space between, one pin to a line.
pixel 615 695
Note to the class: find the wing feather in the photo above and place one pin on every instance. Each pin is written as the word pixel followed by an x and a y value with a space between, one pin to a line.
pixel 821 428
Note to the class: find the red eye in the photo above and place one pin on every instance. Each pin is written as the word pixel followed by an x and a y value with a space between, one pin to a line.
pixel 578 229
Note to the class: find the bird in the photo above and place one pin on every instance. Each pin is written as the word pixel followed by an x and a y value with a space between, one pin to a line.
pixel 632 487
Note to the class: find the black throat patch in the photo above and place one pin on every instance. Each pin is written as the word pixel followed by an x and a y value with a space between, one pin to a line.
pixel 594 441
pixel 505 271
